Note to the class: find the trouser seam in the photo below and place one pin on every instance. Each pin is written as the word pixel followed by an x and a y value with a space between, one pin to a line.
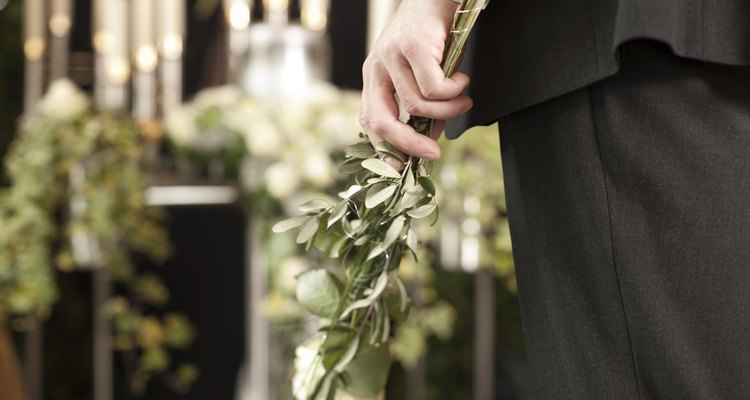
pixel 628 332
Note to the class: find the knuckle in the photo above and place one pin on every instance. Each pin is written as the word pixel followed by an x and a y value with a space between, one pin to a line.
pixel 412 107
pixel 364 120
pixel 375 124
pixel 430 90
pixel 409 47
pixel 390 45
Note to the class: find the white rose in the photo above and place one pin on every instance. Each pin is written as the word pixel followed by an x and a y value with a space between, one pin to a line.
pixel 295 115
pixel 281 180
pixel 340 127
pixel 308 367
pixel 63 101
pixel 317 167
pixel 262 138
pixel 289 269
pixel 219 96
pixel 308 370
pixel 244 113
pixel 324 94
pixel 181 126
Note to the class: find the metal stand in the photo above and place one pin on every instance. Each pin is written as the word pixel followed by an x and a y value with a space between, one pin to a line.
pixel 32 366
pixel 484 342
pixel 101 281
pixel 258 346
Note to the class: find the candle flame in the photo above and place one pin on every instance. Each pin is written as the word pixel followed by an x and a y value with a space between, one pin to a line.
pixel 59 25
pixel 146 58
pixel 171 46
pixel 33 48
pixel 118 70
pixel 315 19
pixel 103 41
pixel 239 15
pixel 276 6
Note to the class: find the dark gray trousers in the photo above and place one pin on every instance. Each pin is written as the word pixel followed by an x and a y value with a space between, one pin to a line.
pixel 629 207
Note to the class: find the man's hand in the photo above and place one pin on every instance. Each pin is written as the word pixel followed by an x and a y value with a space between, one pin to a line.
pixel 406 60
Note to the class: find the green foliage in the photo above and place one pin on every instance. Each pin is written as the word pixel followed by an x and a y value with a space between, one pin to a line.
pixel 76 200
pixel 11 69
pixel 320 292
pixel 371 226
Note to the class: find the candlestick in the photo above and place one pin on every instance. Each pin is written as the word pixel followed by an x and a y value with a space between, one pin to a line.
pixel 239 15
pixel 315 14
pixel 379 12
pixel 60 22
pixel 276 11
pixel 34 46
pixel 145 60
pixel 171 31
pixel 112 63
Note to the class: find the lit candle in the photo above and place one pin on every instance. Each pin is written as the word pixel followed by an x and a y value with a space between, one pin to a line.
pixel 276 11
pixel 60 22
pixel 171 31
pixel 112 60
pixel 145 60
pixel 315 14
pixel 239 15
pixel 378 14
pixel 34 46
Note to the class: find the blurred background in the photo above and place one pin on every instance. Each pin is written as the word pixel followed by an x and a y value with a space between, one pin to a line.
pixel 149 145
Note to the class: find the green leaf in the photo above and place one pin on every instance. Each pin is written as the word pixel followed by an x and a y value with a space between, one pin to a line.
pixel 376 195
pixel 412 197
pixel 360 150
pixel 397 299
pixel 336 344
pixel 338 212
pixel 423 211
pixel 361 240
pixel 388 149
pixel 351 191
pixel 352 228
pixel 408 182
pixel 155 359
pixel 291 223
pixel 351 166
pixel 308 230
pixel 427 184
pixel 376 251
pixel 314 205
pixel 394 231
pixel 338 247
pixel 373 181
pixel 381 168
pixel 412 242
pixel 367 373
pixel 375 293
pixel 319 292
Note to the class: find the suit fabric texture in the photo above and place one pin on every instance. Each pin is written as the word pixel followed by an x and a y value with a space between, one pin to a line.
pixel 625 138
pixel 629 209
pixel 523 52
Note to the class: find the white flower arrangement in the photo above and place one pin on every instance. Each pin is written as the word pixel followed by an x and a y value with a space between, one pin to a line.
pixel 63 101
pixel 292 143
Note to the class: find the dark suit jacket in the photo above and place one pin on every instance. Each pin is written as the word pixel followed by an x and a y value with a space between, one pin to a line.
pixel 523 52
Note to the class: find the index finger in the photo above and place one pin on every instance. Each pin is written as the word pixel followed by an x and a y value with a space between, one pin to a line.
pixel 429 75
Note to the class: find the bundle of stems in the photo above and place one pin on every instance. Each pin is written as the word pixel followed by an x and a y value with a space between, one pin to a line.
pixel 466 15
pixel 369 229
